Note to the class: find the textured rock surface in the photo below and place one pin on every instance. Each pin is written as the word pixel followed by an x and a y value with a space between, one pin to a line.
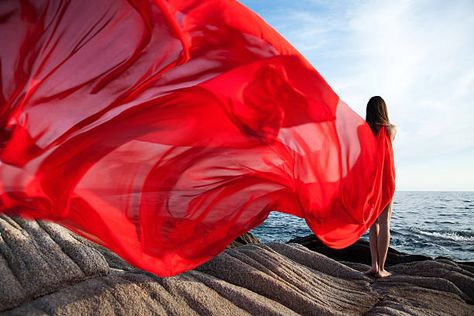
pixel 357 252
pixel 245 239
pixel 45 269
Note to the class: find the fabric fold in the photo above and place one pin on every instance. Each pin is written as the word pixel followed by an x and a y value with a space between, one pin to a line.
pixel 163 130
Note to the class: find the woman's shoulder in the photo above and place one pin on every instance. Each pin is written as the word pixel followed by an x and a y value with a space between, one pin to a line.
pixel 392 130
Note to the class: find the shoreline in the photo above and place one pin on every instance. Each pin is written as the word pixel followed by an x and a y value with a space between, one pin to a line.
pixel 360 252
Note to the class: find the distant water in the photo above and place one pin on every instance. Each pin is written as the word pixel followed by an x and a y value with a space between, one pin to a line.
pixel 428 223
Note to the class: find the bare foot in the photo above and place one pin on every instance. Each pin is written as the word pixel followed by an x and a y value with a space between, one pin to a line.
pixel 371 271
pixel 383 274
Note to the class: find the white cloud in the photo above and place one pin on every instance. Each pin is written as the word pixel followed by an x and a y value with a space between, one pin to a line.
pixel 418 55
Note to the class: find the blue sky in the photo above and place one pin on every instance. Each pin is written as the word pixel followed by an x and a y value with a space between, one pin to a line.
pixel 417 55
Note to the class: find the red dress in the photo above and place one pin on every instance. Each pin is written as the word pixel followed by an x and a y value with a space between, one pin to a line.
pixel 165 129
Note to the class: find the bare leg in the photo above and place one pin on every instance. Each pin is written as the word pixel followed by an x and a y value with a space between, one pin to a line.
pixel 383 239
pixel 374 231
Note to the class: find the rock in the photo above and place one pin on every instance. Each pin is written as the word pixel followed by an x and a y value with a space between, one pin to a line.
pixel 47 270
pixel 245 239
pixel 358 252
pixel 39 258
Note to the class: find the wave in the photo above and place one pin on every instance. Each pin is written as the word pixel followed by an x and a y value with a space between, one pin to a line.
pixel 462 207
pixel 451 235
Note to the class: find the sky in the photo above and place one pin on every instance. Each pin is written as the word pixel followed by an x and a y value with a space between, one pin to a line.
pixel 417 55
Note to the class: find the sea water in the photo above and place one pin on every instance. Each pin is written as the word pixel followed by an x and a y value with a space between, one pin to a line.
pixel 428 223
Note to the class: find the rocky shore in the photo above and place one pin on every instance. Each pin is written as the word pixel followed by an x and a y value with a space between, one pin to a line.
pixel 47 270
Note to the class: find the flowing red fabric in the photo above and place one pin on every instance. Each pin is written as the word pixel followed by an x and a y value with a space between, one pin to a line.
pixel 163 130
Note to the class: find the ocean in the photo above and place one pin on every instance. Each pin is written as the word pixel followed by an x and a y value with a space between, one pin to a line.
pixel 427 223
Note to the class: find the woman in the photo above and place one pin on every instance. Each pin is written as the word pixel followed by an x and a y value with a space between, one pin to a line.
pixel 379 236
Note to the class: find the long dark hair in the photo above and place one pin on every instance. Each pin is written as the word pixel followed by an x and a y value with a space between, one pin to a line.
pixel 377 114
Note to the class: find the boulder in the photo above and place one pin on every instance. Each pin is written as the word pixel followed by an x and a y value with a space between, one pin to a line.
pixel 358 252
pixel 245 239
pixel 47 270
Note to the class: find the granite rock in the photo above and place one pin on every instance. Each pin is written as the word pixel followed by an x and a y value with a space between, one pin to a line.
pixel 47 270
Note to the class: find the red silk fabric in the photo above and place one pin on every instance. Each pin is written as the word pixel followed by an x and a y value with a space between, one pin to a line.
pixel 163 130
